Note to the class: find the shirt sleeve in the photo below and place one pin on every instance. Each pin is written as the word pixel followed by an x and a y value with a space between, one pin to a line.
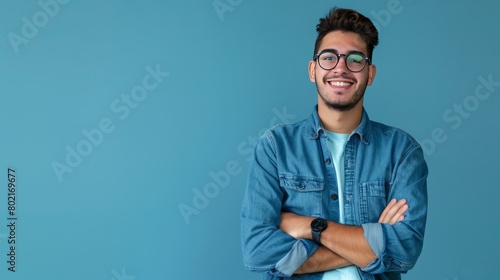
pixel 265 247
pixel 398 246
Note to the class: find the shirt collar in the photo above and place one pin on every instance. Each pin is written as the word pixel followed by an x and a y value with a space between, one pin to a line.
pixel 363 129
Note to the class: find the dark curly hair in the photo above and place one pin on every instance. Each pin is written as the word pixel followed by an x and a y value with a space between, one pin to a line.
pixel 347 20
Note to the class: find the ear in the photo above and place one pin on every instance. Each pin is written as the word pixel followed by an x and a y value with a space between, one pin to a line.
pixel 312 71
pixel 372 70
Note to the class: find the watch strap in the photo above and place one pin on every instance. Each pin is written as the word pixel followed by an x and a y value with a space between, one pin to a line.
pixel 318 225
pixel 316 235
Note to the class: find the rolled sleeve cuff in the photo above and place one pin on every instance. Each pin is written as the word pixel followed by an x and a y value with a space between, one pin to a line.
pixel 299 253
pixel 374 235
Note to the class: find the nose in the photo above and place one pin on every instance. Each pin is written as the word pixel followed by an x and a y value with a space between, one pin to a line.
pixel 341 65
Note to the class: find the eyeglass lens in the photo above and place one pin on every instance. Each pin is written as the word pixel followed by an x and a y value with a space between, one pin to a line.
pixel 354 61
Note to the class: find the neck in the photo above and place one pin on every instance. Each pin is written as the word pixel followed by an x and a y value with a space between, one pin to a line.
pixel 340 121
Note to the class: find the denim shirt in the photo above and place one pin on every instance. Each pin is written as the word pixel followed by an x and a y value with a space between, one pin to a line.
pixel 292 171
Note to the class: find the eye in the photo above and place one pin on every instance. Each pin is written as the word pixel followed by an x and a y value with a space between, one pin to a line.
pixel 355 58
pixel 328 57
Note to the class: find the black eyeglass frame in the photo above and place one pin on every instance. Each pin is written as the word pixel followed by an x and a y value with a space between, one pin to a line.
pixel 367 59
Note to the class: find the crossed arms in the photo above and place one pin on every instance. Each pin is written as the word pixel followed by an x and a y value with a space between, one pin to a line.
pixel 280 243
pixel 342 245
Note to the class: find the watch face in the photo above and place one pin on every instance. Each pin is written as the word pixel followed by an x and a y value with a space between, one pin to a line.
pixel 318 225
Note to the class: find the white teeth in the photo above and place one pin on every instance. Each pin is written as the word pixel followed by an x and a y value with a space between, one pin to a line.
pixel 340 84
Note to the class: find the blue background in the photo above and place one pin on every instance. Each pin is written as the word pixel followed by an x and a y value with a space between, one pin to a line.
pixel 117 215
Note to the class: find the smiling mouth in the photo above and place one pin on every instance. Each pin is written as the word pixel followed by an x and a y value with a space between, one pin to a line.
pixel 340 84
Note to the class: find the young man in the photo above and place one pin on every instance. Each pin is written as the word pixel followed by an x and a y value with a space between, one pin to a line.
pixel 336 196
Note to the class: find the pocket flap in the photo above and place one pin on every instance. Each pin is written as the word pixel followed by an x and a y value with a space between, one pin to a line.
pixel 301 184
pixel 375 188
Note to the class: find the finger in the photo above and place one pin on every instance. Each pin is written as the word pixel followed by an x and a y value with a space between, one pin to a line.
pixel 396 212
pixel 391 216
pixel 387 208
pixel 399 215
pixel 385 214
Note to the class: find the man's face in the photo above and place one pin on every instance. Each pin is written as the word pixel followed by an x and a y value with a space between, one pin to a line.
pixel 339 88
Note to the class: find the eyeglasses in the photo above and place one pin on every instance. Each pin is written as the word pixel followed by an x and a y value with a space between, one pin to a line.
pixel 355 61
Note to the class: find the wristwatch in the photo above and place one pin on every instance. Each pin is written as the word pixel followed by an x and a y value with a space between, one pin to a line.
pixel 318 225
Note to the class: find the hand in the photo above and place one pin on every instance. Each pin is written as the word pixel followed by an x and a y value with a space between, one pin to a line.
pixel 296 225
pixel 393 212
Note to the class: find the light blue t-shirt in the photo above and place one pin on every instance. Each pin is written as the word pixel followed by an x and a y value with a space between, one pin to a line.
pixel 336 144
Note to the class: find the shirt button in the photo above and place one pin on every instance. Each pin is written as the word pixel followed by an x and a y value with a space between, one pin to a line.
pixel 334 196
pixel 327 161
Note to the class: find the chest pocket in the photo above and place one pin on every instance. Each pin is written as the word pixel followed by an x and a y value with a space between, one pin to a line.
pixel 373 200
pixel 304 194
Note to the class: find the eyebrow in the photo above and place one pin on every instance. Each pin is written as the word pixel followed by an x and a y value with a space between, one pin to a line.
pixel 330 50
pixel 336 51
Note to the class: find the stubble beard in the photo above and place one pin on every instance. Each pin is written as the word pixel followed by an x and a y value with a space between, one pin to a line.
pixel 346 105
